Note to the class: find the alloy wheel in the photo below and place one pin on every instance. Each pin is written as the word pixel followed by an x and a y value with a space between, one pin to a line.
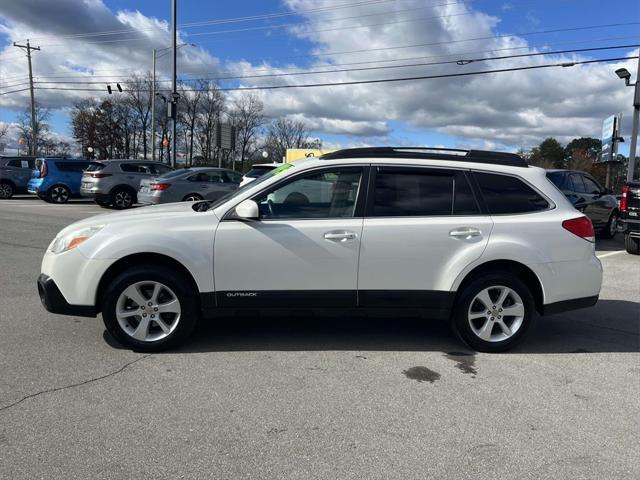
pixel 613 224
pixel 192 198
pixel 5 190
pixel 496 313
pixel 123 199
pixel 148 311
pixel 59 194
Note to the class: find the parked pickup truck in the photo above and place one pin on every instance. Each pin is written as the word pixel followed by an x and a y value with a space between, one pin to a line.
pixel 630 216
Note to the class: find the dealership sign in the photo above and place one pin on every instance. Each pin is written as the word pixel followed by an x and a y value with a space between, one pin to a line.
pixel 610 129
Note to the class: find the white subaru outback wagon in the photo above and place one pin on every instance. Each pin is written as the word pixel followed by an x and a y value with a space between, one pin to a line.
pixel 476 238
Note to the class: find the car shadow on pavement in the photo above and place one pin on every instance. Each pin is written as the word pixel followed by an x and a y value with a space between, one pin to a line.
pixel 610 244
pixel 611 326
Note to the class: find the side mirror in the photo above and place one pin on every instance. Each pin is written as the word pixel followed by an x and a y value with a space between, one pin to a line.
pixel 248 210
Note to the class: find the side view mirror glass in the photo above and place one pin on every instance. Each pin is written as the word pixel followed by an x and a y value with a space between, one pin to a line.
pixel 248 210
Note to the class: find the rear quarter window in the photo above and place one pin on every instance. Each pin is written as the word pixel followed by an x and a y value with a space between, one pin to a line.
pixel 505 194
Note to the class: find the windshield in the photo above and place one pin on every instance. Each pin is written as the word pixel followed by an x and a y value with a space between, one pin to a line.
pixel 258 171
pixel 246 186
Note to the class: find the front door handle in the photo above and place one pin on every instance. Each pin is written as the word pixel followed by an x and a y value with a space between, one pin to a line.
pixel 465 233
pixel 339 236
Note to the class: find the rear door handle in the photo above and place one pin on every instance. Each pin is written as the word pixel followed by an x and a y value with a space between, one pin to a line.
pixel 465 232
pixel 339 236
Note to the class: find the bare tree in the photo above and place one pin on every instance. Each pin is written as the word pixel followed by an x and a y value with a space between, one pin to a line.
pixel 284 133
pixel 247 115
pixel 190 103
pixel 24 125
pixel 211 109
pixel 4 129
pixel 138 89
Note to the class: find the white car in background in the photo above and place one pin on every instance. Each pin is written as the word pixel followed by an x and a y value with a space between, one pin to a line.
pixel 479 239
pixel 257 171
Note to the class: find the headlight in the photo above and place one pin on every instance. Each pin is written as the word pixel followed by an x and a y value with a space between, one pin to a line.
pixel 73 239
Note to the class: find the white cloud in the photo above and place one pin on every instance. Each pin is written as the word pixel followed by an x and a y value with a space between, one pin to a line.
pixel 516 109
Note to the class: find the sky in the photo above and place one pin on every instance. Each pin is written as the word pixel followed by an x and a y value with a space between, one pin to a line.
pixel 106 40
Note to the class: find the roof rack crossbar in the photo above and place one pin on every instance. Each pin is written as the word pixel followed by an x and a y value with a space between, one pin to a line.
pixel 430 153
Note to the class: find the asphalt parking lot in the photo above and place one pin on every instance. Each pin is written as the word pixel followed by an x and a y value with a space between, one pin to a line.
pixel 308 397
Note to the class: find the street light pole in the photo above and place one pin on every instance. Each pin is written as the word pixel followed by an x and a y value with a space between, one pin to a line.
pixel 153 109
pixel 634 130
pixel 174 93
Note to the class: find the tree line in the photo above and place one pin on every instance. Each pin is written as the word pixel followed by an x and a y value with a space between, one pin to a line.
pixel 579 154
pixel 119 126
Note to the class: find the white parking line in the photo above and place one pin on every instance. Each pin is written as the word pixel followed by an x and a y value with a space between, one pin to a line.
pixel 609 254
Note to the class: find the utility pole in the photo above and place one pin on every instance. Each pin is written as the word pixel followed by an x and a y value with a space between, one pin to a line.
pixel 634 130
pixel 174 92
pixel 153 109
pixel 34 124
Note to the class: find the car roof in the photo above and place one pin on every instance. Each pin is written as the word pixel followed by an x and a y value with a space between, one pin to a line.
pixel 274 165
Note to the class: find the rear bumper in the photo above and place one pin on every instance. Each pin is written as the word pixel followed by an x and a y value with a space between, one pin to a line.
pixel 54 302
pixel 567 305
pixel 148 198
pixel 629 225
pixel 34 186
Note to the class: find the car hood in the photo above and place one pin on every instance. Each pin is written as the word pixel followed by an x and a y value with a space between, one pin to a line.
pixel 117 220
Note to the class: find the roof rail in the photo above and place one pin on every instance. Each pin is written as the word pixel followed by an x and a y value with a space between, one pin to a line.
pixel 425 153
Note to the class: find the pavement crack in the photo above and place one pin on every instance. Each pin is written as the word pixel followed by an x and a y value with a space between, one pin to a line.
pixel 74 385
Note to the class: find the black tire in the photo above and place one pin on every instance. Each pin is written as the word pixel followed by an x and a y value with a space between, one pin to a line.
pixel 462 324
pixel 611 228
pixel 7 189
pixel 192 197
pixel 122 198
pixel 632 244
pixel 104 203
pixel 174 280
pixel 59 194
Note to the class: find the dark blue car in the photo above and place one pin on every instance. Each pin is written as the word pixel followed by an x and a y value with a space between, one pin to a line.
pixel 57 179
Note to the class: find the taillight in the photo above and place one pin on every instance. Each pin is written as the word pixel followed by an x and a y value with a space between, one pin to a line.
pixel 44 170
pixel 158 187
pixel 98 175
pixel 623 199
pixel 582 227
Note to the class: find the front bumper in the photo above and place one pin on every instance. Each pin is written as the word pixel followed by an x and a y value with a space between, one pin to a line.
pixel 54 302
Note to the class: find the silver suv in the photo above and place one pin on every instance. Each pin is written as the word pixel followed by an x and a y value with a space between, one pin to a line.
pixel 15 173
pixel 115 183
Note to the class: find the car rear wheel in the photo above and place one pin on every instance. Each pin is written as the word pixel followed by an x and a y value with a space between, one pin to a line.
pixel 192 197
pixel 122 198
pixel 59 194
pixel 611 228
pixel 150 308
pixel 632 244
pixel 6 190
pixel 493 312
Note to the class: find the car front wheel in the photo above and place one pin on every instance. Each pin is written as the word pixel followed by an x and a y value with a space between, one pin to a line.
pixel 493 312
pixel 150 308
pixel 632 244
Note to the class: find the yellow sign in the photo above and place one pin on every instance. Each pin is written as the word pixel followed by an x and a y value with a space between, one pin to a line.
pixel 294 154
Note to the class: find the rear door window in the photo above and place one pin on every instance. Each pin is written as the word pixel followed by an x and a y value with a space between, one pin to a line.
pixel 158 169
pixel 505 194
pixel 144 168
pixel 578 184
pixel 416 192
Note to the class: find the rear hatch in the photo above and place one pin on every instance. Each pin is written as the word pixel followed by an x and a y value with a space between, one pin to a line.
pixel 92 174
pixel 630 202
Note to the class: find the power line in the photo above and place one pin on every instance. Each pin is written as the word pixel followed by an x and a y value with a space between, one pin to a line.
pixel 461 61
pixel 230 20
pixel 374 81
pixel 75 75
